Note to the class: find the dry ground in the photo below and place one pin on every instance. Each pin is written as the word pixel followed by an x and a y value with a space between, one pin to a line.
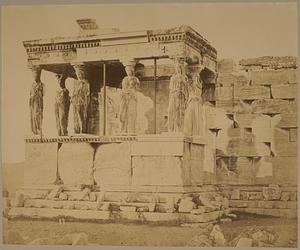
pixel 133 234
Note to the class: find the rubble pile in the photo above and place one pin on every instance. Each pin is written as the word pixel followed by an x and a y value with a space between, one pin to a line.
pixel 255 237
pixel 211 236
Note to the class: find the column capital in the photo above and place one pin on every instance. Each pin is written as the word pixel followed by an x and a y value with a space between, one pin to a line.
pixel 129 62
pixel 35 67
pixel 194 69
pixel 179 59
pixel 80 70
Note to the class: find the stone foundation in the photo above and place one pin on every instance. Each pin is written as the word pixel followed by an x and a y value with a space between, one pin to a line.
pixel 271 200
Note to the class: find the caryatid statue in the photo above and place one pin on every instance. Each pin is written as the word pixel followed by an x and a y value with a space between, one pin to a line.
pixel 193 118
pixel 62 106
pixel 178 96
pixel 36 102
pixel 128 102
pixel 80 100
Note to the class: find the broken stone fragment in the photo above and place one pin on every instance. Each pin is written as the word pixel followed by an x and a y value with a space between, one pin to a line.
pixel 101 196
pixel 19 200
pixel 265 236
pixel 170 205
pixel 199 210
pixel 209 205
pixel 128 208
pixel 54 193
pixel 142 209
pixel 255 196
pixel 85 194
pixel 151 207
pixel 244 195
pixel 63 196
pixel 105 206
pixel 244 242
pixel 217 236
pixel 293 196
pixel 93 196
pixel 225 203
pixel 285 196
pixel 234 216
pixel 273 192
pixel 37 194
pixel 201 240
pixel 186 205
pixel 235 194
pixel 225 220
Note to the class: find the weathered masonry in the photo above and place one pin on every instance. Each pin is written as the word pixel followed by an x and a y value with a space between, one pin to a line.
pixel 161 128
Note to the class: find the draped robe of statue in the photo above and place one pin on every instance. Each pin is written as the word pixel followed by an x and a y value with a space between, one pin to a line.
pixel 177 102
pixel 61 107
pixel 193 119
pixel 36 107
pixel 128 104
pixel 80 101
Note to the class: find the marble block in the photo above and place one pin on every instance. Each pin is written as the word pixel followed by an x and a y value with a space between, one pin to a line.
pixel 75 163
pixel 158 170
pixel 112 164
pixel 40 163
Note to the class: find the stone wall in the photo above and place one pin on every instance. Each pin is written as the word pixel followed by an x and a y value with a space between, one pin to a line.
pixel 257 154
pixel 261 98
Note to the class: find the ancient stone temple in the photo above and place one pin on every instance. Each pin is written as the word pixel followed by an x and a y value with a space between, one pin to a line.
pixel 159 125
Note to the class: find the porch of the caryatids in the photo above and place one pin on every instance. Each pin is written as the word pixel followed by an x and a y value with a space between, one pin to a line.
pixel 62 105
pixel 80 99
pixel 36 101
pixel 178 96
pixel 128 100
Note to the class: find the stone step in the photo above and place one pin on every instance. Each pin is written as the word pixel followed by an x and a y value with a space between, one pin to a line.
pixel 263 204
pixel 51 213
pixel 79 205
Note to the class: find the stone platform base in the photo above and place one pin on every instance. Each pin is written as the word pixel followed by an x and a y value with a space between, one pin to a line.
pixel 98 216
pixel 181 205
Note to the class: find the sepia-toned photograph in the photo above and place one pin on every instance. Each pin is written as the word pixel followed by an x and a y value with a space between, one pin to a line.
pixel 156 124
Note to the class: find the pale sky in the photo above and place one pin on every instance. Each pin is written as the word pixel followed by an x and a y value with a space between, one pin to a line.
pixel 236 30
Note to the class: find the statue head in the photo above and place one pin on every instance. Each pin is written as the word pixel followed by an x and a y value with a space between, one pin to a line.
pixel 179 66
pixel 36 73
pixel 129 70
pixel 61 78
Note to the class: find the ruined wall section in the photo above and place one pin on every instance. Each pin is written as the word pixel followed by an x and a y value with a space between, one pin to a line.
pixel 260 151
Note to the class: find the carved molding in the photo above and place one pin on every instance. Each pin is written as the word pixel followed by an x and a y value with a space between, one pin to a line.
pixel 90 139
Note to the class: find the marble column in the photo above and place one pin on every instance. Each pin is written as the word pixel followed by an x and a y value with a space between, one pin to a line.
pixel 36 101
pixel 178 96
pixel 81 99
pixel 128 101
pixel 62 105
